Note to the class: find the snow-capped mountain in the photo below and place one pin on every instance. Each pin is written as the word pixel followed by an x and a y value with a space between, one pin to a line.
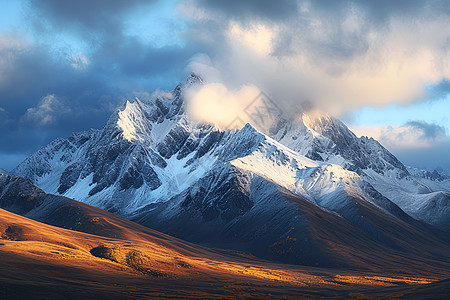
pixel 139 156
pixel 430 175
pixel 423 195
pixel 154 164
pixel 324 138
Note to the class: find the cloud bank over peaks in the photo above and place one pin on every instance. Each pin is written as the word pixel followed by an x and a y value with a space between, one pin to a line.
pixel 214 103
pixel 341 60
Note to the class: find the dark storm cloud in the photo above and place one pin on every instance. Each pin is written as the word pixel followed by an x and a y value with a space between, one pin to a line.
pixel 32 71
pixel 89 95
pixel 376 10
pixel 130 57
pixel 84 95
pixel 116 55
pixel 120 64
pixel 297 18
pixel 382 10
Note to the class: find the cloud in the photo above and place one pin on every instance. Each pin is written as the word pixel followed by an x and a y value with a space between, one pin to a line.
pixel 428 131
pixel 411 135
pixel 11 47
pixel 380 11
pixel 339 55
pixel 431 158
pixel 440 90
pixel 258 38
pixel 30 71
pixel 414 134
pixel 214 103
pixel 48 110
pixel 101 29
pixel 81 53
pixel 9 160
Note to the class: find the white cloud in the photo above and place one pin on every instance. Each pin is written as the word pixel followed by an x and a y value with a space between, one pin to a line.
pixel 257 37
pixel 214 103
pixel 412 135
pixel 46 112
pixel 339 63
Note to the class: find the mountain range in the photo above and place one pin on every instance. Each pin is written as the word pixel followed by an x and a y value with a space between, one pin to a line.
pixel 305 191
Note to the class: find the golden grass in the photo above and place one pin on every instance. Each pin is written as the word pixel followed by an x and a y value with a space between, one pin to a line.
pixel 52 251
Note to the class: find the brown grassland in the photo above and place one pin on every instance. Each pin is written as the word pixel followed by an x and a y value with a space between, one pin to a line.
pixel 43 261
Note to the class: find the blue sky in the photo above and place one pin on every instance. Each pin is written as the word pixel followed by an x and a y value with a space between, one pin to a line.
pixel 432 112
pixel 382 66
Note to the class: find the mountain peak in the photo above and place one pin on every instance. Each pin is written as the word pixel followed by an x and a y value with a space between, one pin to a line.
pixel 193 78
pixel 322 122
pixel 132 120
pixel 136 118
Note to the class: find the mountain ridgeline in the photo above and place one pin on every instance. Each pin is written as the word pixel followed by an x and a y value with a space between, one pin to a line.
pixel 306 191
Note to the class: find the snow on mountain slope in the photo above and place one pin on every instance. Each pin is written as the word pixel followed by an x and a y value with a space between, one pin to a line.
pixel 434 176
pixel 295 172
pixel 240 205
pixel 421 198
pixel 321 137
pixel 324 138
pixel 328 185
pixel 140 155
pixel 151 152
pixel 133 122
